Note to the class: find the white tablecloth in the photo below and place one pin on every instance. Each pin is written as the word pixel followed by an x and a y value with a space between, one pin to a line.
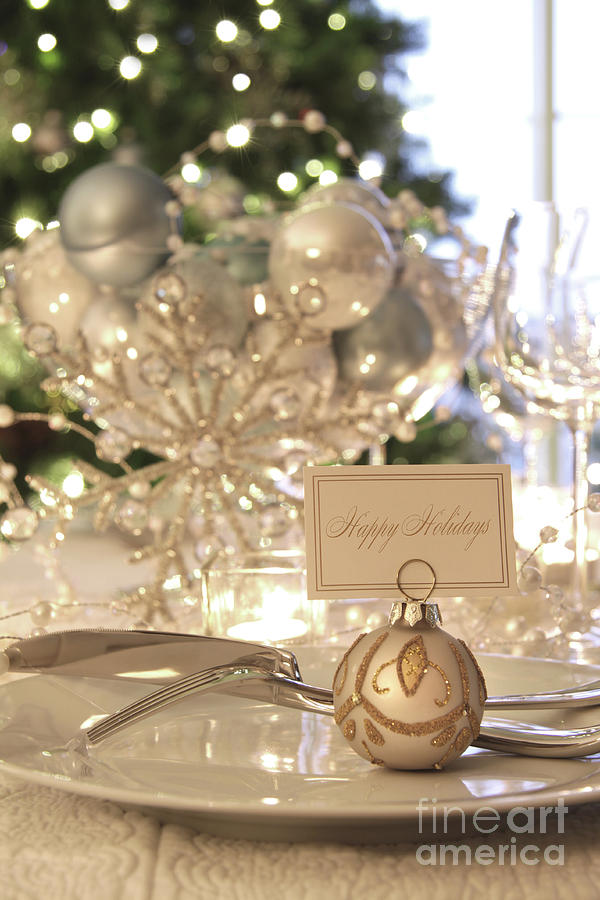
pixel 57 846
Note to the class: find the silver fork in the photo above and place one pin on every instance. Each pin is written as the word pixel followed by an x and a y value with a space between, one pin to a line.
pixel 262 683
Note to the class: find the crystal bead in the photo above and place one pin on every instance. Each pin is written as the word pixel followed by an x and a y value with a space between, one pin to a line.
pixel 155 370
pixel 113 445
pixel 57 421
pixel 344 149
pixel 40 339
pixel 169 288
pixel 548 534
pixel 206 452
pixel 139 489
pixel 285 403
pixel 220 359
pixel 311 300
pixel 594 502
pixel 273 520
pixel 529 579
pixel 7 416
pixel 554 594
pixel 278 119
pixel 314 121
pixel 19 524
pixel 572 622
pixel 41 613
pixel 132 516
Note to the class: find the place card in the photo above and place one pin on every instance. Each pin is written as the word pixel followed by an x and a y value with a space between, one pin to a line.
pixel 363 523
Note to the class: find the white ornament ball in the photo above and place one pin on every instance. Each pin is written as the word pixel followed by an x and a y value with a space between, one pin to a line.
pixel 208 293
pixel 114 226
pixel 409 697
pixel 48 287
pixel 332 262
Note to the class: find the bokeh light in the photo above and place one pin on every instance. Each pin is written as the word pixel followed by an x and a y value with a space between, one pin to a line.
pixel 46 42
pixel 226 31
pixel 130 67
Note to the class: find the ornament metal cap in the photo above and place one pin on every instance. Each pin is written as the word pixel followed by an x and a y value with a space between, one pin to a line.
pixel 415 609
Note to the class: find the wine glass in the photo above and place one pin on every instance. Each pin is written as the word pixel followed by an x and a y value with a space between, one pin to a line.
pixel 547 334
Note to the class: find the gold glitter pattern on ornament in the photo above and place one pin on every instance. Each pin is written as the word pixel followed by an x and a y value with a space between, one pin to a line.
pixel 361 673
pixel 344 664
pixel 374 680
pixel 350 729
pixel 340 687
pixel 443 737
pixel 373 734
pixel 346 708
pixel 412 665
pixel 447 684
pixel 414 729
pixel 467 734
pixel 482 685
pixel 464 677
pixel 372 759
pixel 458 746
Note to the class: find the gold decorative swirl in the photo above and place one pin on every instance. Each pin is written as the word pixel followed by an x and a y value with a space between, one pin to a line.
pixel 372 759
pixel 343 660
pixel 376 688
pixel 443 737
pixel 482 685
pixel 374 736
pixel 447 684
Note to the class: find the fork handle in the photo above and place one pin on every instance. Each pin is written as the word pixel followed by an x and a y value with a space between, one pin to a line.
pixel 261 683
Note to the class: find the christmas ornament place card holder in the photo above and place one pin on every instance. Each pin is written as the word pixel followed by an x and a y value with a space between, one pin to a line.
pixel 363 523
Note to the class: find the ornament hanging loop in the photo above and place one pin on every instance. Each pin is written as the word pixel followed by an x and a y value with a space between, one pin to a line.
pixel 415 609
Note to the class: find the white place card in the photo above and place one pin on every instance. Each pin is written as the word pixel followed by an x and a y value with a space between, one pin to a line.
pixel 363 523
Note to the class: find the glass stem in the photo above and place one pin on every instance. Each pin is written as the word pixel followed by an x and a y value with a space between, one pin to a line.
pixel 580 431
pixel 377 455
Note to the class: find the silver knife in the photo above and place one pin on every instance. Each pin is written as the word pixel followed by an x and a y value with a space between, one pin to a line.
pixel 158 657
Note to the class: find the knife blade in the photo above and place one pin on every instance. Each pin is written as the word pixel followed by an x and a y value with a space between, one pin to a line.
pixel 159 657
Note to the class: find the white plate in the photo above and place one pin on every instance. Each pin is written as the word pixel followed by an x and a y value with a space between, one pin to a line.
pixel 243 769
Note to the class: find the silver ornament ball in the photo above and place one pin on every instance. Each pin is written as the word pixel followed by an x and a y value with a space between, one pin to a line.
pixel 338 251
pixel 114 226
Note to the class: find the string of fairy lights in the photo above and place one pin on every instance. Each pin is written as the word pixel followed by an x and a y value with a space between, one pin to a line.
pixel 101 124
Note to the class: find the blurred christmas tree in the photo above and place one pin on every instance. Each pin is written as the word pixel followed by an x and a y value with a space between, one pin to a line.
pixel 144 81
